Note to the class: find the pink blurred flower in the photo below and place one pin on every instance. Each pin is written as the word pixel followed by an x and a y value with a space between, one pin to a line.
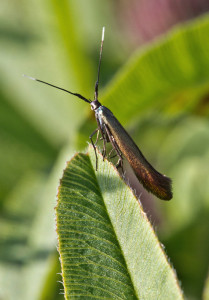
pixel 143 20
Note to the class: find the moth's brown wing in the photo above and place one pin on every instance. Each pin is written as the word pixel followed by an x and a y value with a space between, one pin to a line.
pixel 152 180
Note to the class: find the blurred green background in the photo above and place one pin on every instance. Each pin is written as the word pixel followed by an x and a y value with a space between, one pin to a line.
pixel 155 79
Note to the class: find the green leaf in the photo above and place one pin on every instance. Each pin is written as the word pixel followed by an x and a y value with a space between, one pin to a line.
pixel 18 212
pixel 206 289
pixel 108 249
pixel 170 67
pixel 66 20
pixel 22 147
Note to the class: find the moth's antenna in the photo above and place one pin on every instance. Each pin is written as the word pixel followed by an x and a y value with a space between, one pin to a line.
pixel 100 58
pixel 59 88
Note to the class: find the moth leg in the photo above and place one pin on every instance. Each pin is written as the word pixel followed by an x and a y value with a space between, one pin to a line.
pixel 104 148
pixel 113 156
pixel 116 148
pixel 119 163
pixel 94 144
pixel 111 153
pixel 120 159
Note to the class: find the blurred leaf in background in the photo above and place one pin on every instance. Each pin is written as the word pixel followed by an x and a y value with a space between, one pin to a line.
pixel 160 94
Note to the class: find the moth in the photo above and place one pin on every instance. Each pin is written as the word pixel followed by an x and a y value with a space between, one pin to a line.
pixel 113 132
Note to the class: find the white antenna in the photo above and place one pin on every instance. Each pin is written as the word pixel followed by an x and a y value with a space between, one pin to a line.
pixel 103 32
pixel 29 77
pixel 100 59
